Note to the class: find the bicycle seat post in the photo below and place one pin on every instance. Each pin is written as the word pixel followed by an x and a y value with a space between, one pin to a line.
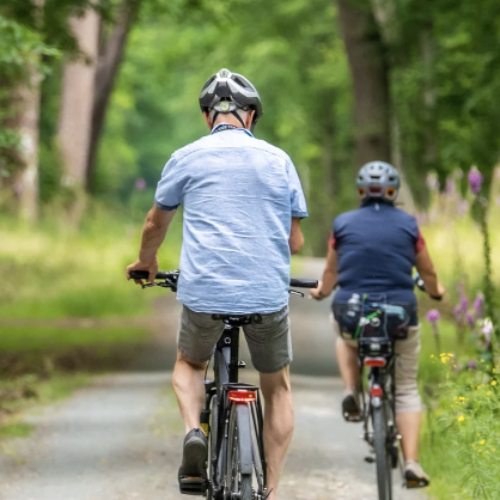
pixel 234 332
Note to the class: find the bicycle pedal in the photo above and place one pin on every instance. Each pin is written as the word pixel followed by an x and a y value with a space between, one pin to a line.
pixel 193 485
pixel 352 418
pixel 413 484
pixel 370 460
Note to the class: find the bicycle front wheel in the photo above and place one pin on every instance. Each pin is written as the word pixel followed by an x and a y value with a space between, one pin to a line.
pixel 382 453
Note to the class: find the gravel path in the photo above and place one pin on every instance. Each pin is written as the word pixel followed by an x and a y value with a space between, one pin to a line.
pixel 120 439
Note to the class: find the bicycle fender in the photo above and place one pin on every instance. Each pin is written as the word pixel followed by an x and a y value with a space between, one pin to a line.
pixel 245 438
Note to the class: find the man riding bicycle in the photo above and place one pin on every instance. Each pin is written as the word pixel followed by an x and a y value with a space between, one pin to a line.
pixel 373 250
pixel 243 203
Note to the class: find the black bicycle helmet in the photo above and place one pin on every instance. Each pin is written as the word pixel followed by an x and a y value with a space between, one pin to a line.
pixel 378 180
pixel 225 92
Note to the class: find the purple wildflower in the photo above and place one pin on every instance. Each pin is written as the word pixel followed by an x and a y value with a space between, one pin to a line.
pixel 433 316
pixel 472 364
pixel 140 184
pixel 458 313
pixel 478 305
pixel 450 186
pixel 470 319
pixel 475 180
pixel 464 303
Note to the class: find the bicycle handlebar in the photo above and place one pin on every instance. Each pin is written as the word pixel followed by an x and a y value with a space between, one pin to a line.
pixel 174 275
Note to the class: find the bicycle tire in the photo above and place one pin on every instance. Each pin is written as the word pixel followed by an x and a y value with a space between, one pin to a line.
pixel 239 465
pixel 212 456
pixel 382 453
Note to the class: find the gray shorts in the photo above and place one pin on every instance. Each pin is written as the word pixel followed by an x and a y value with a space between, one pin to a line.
pixel 269 342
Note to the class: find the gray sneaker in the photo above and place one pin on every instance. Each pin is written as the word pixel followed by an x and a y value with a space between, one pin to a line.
pixel 415 475
pixel 194 457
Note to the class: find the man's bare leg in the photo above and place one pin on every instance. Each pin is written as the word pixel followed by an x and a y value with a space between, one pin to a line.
pixel 278 423
pixel 189 388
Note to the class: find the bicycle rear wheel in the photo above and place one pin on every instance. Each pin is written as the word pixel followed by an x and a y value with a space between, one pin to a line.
pixel 242 471
pixel 382 453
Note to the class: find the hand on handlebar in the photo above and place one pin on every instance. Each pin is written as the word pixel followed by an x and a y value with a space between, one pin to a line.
pixel 316 293
pixel 150 267
pixel 441 291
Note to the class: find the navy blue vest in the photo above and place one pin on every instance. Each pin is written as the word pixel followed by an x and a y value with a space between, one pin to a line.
pixel 376 250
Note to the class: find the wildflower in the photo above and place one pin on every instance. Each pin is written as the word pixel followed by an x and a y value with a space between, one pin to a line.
pixel 482 442
pixel 464 304
pixel 472 365
pixel 140 184
pixel 487 329
pixel 461 398
pixel 478 305
pixel 470 319
pixel 463 207
pixel 450 187
pixel 493 383
pixel 488 393
pixel 461 418
pixel 458 313
pixel 433 316
pixel 432 356
pixel 475 180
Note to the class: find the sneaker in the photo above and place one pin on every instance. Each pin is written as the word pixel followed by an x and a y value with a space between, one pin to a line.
pixel 415 476
pixel 350 408
pixel 194 457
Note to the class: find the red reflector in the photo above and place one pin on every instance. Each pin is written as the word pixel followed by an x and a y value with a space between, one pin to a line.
pixel 375 189
pixel 375 362
pixel 377 391
pixel 242 396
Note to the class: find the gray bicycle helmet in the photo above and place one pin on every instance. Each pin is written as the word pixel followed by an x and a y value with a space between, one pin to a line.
pixel 378 180
pixel 226 92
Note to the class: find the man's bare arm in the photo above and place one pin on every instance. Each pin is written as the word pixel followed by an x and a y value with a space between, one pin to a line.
pixel 425 268
pixel 330 276
pixel 153 233
pixel 296 240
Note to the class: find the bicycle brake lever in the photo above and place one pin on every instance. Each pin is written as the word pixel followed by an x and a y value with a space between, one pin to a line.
pixel 294 292
pixel 149 285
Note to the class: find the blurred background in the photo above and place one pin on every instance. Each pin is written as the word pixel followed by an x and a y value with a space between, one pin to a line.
pixel 96 95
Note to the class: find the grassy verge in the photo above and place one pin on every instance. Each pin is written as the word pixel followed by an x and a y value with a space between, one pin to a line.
pixel 460 440
pixel 21 393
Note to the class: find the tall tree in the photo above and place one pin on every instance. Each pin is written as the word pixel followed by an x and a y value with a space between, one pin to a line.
pixel 75 122
pixel 370 80
pixel 110 57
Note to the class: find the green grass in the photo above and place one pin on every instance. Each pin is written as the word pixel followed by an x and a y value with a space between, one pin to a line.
pixel 16 430
pixel 23 339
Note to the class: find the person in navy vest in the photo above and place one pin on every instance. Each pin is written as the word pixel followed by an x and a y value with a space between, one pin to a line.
pixel 372 250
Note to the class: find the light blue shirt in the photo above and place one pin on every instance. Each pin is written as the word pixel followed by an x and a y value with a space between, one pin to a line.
pixel 239 195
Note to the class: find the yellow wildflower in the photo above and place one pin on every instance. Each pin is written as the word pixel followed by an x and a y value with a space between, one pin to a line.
pixel 482 442
pixel 493 449
pixel 461 418
pixel 493 382
pixel 461 398
pixel 432 356
pixel 488 393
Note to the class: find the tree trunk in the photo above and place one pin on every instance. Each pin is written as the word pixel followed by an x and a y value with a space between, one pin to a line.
pixel 107 69
pixel 370 82
pixel 26 102
pixel 76 108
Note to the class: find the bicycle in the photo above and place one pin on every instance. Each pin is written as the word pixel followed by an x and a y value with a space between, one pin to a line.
pixel 376 327
pixel 232 416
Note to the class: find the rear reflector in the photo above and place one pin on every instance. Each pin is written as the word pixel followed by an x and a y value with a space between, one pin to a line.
pixel 377 391
pixel 375 362
pixel 242 396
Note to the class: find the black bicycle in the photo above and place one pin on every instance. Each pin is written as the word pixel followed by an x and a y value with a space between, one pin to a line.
pixel 377 326
pixel 232 415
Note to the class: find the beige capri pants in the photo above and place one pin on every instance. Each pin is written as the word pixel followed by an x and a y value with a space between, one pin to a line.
pixel 407 352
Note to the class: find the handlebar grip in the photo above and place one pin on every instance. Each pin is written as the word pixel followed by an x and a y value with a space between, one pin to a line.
pixel 160 275
pixel 139 275
pixel 302 283
pixel 439 298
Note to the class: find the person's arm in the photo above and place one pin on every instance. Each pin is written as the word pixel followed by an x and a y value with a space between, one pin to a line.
pixel 425 268
pixel 153 234
pixel 329 281
pixel 296 240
